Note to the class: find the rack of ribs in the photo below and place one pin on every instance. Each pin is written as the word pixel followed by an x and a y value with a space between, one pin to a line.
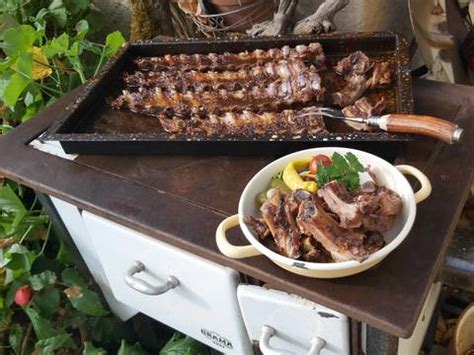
pixel 233 61
pixel 282 93
pixel 197 81
pixel 245 123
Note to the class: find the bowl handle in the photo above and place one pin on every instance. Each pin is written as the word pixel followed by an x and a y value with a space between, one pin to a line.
pixel 425 190
pixel 232 251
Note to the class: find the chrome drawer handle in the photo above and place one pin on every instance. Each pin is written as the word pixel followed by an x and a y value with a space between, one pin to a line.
pixel 143 286
pixel 317 344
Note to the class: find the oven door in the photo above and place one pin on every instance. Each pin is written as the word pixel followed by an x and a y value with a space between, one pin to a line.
pixel 288 324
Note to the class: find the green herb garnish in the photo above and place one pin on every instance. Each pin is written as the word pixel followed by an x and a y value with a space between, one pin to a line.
pixel 345 169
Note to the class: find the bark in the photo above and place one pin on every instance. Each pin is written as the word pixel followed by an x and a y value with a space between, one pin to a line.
pixel 150 18
pixel 280 23
pixel 322 19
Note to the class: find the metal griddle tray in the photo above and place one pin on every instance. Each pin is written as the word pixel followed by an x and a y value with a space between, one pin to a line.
pixel 91 126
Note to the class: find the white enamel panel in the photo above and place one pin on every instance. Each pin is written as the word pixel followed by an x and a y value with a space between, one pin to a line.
pixel 204 304
pixel 72 219
pixel 296 321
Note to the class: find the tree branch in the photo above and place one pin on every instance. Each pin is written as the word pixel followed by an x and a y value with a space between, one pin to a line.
pixel 279 24
pixel 322 19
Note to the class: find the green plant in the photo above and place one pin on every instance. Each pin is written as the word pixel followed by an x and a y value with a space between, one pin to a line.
pixel 40 66
pixel 46 306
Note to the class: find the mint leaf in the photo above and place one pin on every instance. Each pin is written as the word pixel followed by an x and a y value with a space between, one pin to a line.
pixel 42 280
pixel 340 163
pixel 355 163
pixel 343 169
pixel 113 43
pixel 90 349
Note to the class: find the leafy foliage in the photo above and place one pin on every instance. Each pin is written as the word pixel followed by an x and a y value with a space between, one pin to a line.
pixel 183 345
pixel 345 169
pixel 45 52
pixel 40 65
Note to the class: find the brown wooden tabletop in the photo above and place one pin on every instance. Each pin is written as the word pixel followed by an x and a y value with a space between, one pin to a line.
pixel 182 199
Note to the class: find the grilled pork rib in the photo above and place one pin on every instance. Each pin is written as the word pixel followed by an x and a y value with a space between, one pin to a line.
pixel 363 108
pixel 341 203
pixel 246 123
pixel 234 61
pixel 370 209
pixel 356 63
pixel 381 76
pixel 343 244
pixel 278 213
pixel 355 88
pixel 259 75
pixel 300 89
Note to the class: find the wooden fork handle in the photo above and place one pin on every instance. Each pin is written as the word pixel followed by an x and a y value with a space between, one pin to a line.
pixel 423 125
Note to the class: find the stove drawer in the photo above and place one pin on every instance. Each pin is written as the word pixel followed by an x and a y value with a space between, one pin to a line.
pixel 186 292
pixel 287 324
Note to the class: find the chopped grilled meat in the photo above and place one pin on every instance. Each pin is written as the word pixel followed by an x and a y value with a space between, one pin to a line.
pixel 370 207
pixel 278 215
pixel 246 123
pixel 301 195
pixel 314 252
pixel 356 63
pixel 182 81
pixel 233 61
pixel 381 76
pixel 379 208
pixel 363 108
pixel 342 244
pixel 354 89
pixel 258 225
pixel 373 242
pixel 340 202
pixel 302 88
pixel 374 222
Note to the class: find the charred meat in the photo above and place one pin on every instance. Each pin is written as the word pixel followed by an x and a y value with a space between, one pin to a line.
pixel 342 244
pixel 363 108
pixel 356 63
pixel 193 80
pixel 381 76
pixel 355 88
pixel 279 214
pixel 340 202
pixel 300 89
pixel 371 209
pixel 234 61
pixel 245 123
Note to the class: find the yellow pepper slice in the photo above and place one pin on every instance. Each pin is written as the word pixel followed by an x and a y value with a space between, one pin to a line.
pixel 294 181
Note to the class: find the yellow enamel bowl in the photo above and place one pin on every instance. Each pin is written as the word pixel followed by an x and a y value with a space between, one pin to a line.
pixel 387 175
